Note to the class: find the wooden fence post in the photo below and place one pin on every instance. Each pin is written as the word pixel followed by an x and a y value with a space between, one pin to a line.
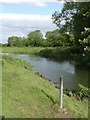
pixel 61 92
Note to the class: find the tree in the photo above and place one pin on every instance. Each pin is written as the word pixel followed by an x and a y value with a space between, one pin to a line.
pixel 85 39
pixel 12 40
pixel 57 38
pixel 35 38
pixel 25 41
pixel 64 19
pixel 81 19
pixel 15 41
pixel 74 18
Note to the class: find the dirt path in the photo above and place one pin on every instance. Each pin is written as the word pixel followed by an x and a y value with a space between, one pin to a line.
pixel 63 114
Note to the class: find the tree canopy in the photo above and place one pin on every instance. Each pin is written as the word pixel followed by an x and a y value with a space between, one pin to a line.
pixel 74 17
pixel 35 38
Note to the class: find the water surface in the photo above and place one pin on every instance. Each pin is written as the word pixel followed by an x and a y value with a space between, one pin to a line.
pixel 53 70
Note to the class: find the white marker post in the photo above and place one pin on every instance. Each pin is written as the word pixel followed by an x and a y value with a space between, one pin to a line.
pixel 61 92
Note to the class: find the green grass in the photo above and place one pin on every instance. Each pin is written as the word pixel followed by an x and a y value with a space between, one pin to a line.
pixel 22 50
pixel 78 109
pixel 26 95
pixel 0 86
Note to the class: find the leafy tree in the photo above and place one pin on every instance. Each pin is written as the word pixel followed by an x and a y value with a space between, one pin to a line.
pixel 85 39
pixel 19 42
pixel 12 40
pixel 25 41
pixel 57 38
pixel 15 41
pixel 35 38
pixel 44 43
pixel 81 19
pixel 74 18
pixel 64 19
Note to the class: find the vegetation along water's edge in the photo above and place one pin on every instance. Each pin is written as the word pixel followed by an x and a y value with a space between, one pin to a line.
pixel 71 53
pixel 33 96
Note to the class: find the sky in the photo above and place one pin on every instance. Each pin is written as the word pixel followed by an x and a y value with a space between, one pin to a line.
pixel 19 17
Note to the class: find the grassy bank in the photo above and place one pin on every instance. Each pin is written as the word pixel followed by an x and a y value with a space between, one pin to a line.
pixel 56 53
pixel 25 94
pixel 22 50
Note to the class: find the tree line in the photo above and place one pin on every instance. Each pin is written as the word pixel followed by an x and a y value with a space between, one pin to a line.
pixel 35 38
pixel 73 29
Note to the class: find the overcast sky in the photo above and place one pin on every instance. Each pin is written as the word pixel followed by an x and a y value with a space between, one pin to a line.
pixel 19 17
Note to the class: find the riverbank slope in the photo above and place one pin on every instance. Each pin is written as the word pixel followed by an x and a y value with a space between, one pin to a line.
pixel 24 94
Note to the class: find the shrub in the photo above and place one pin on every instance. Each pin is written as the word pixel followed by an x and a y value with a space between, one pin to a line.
pixel 83 91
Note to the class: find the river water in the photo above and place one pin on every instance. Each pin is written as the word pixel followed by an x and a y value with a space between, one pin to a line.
pixel 53 70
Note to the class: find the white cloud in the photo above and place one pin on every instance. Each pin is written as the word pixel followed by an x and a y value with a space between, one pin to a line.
pixel 22 24
pixel 41 3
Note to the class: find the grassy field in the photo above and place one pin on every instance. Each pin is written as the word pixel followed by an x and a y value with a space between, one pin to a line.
pixel 26 95
pixel 22 50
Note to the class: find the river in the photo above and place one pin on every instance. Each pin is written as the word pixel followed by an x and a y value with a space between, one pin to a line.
pixel 53 70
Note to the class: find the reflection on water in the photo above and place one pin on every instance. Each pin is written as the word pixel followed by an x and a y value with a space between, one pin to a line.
pixel 53 70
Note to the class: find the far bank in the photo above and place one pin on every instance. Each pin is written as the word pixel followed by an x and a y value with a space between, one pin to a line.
pixel 71 53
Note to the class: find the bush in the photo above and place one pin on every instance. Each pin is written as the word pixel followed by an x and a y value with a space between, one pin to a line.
pixel 83 91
